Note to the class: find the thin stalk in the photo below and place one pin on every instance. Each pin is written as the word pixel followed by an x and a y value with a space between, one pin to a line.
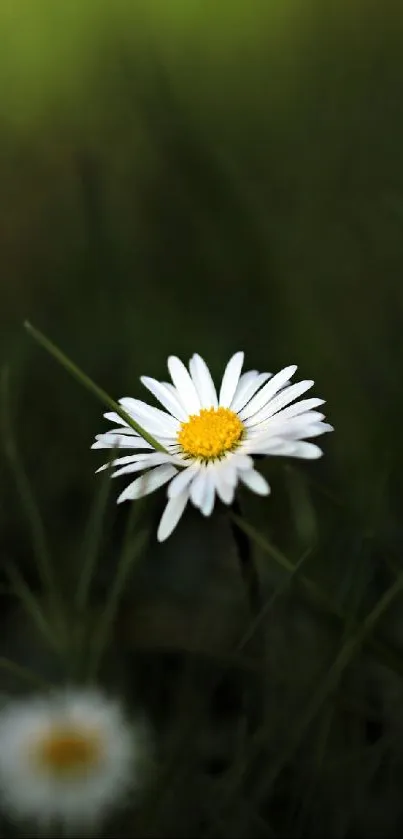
pixel 384 654
pixel 247 564
pixel 171 772
pixel 302 723
pixel 130 551
pixel 85 380
pixel 342 660
pixel 23 673
pixel 31 605
pixel 265 609
pixel 252 694
pixel 91 545
pixel 38 535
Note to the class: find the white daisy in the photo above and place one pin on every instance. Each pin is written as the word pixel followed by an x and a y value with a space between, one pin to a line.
pixel 66 758
pixel 209 438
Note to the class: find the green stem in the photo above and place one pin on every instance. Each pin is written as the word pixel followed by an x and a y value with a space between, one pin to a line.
pixel 249 572
pixel 100 394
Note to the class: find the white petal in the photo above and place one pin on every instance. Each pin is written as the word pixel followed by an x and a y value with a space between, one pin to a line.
pixel 166 397
pixel 145 462
pixel 148 483
pixel 305 405
pixel 173 448
pixel 247 387
pixel 296 428
pixel 230 379
pixel 153 420
pixel 306 417
pixel 278 427
pixel 242 461
pixel 320 428
pixel 184 384
pixel 313 429
pixel 171 515
pixel 128 458
pixel 182 480
pixel 247 377
pixel 209 493
pixel 267 392
pixel 269 446
pixel 286 396
pixel 255 481
pixel 174 392
pixel 112 416
pixel 224 483
pixel 228 468
pixel 307 450
pixel 198 487
pixel 203 382
pixel 124 431
pixel 112 440
pixel 287 448
pixel 137 466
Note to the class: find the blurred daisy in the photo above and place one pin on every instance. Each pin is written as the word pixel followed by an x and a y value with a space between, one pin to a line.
pixel 210 438
pixel 66 759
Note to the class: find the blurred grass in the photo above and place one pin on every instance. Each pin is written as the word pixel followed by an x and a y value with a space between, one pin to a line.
pixel 210 177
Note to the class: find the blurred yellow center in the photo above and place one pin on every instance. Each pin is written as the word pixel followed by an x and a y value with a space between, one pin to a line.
pixel 67 751
pixel 211 433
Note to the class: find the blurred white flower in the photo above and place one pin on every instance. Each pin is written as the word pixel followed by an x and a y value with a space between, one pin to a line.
pixel 210 439
pixel 67 758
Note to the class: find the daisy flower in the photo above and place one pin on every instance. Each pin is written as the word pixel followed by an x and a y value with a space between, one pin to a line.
pixel 66 758
pixel 210 439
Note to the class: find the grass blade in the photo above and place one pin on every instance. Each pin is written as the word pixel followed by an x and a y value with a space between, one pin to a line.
pixel 30 604
pixel 38 536
pixel 92 541
pixel 131 549
pixel 383 652
pixel 342 660
pixel 265 609
pixel 85 380
pixel 23 673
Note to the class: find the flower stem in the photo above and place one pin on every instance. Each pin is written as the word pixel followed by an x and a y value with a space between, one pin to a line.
pixel 254 693
pixel 248 568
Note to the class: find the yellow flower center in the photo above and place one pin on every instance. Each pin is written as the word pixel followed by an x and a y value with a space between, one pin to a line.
pixel 210 433
pixel 67 751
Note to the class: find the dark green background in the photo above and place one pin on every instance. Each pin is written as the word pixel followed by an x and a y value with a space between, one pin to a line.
pixel 207 177
pixel 198 180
